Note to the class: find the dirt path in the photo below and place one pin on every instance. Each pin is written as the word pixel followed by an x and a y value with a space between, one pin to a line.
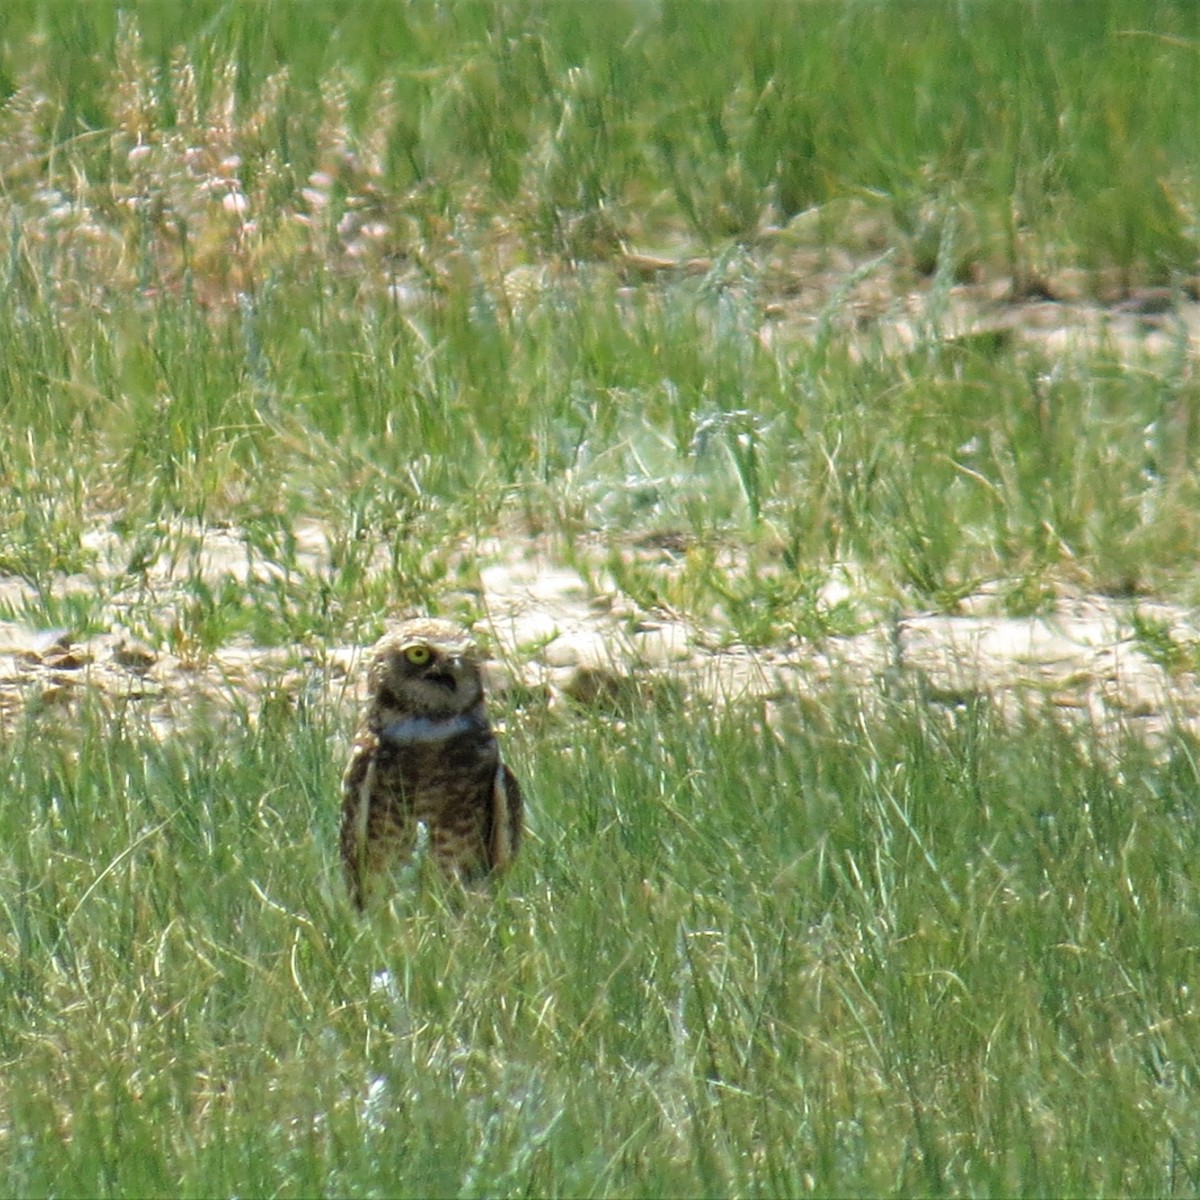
pixel 553 638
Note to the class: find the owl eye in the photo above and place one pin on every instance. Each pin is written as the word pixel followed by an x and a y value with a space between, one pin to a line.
pixel 418 655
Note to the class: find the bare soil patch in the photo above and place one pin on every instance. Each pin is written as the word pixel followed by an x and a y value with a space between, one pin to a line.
pixel 555 638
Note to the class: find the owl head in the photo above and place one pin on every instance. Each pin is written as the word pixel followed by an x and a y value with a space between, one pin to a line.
pixel 426 666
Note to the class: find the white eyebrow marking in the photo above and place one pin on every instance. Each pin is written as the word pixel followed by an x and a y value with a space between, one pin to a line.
pixel 451 648
pixel 417 731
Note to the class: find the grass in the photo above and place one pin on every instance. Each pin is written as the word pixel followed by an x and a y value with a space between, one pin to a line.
pixel 609 278
pixel 230 276
pixel 849 952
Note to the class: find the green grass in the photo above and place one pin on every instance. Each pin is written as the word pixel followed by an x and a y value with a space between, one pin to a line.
pixel 408 384
pixel 379 276
pixel 851 951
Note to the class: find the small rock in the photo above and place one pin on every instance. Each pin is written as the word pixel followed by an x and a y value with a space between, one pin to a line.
pixel 665 644
pixel 135 656
pixel 584 648
pixel 594 685
pixel 35 645
pixel 67 659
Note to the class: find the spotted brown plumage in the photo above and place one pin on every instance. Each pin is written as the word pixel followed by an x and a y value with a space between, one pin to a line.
pixel 425 753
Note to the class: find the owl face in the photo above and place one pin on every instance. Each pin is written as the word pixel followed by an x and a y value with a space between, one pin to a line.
pixel 426 666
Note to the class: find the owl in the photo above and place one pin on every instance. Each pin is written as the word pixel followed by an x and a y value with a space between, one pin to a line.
pixel 425 752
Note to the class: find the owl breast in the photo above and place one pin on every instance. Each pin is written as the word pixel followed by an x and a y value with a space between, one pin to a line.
pixel 441 766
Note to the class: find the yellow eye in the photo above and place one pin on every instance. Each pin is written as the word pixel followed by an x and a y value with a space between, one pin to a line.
pixel 418 655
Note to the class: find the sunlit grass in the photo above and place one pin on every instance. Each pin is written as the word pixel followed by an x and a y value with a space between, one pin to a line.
pixel 844 951
pixel 652 416
pixel 241 294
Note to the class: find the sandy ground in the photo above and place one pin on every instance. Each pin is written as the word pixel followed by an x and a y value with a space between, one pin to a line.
pixel 554 640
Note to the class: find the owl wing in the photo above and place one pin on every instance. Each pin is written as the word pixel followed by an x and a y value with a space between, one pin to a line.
pixel 504 833
pixel 357 785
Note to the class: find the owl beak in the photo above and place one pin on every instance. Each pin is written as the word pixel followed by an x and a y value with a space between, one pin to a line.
pixel 450 673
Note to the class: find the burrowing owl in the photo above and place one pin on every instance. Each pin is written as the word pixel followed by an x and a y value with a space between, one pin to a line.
pixel 425 752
